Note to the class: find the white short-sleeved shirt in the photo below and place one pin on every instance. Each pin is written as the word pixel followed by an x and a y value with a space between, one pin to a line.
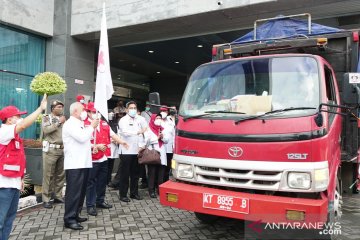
pixel 7 133
pixel 128 131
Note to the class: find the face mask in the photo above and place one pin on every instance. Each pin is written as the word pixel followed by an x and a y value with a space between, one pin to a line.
pixel 157 122
pixel 132 112
pixel 83 115
pixel 111 116
pixel 16 120
pixel 19 120
pixel 95 116
pixel 82 101
pixel 163 114
pixel 147 109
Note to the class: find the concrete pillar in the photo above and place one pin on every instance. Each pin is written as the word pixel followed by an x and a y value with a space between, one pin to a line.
pixel 69 57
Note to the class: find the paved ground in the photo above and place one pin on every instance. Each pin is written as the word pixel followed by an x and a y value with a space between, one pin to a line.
pixel 147 219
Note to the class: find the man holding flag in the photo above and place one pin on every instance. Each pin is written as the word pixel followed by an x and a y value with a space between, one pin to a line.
pixel 96 186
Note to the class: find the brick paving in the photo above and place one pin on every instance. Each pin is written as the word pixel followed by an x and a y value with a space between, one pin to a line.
pixel 147 219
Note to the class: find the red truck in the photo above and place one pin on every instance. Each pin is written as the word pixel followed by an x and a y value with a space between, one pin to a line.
pixel 268 131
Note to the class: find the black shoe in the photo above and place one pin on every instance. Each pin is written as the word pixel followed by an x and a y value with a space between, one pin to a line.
pixel 74 226
pixel 92 211
pixel 81 219
pixel 152 194
pixel 124 199
pixel 58 200
pixel 143 185
pixel 47 205
pixel 136 196
pixel 114 186
pixel 103 205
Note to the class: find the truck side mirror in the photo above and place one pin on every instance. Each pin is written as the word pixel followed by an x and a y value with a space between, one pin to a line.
pixel 319 120
pixel 351 88
pixel 154 99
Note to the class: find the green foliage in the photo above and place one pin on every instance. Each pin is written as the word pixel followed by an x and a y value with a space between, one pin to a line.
pixel 48 82
pixel 39 118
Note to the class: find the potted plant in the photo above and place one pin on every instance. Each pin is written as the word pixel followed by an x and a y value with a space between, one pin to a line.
pixel 34 165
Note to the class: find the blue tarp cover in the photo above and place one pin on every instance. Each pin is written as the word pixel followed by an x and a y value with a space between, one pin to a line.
pixel 284 28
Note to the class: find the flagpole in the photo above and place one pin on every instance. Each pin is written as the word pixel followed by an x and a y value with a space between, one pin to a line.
pixel 95 131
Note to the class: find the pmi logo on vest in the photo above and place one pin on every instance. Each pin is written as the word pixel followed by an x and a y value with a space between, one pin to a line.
pixel 295 230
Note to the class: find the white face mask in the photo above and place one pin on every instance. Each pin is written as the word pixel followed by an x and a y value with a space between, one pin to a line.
pixel 82 101
pixel 83 115
pixel 157 122
pixel 17 120
pixel 95 116
pixel 132 112
pixel 163 114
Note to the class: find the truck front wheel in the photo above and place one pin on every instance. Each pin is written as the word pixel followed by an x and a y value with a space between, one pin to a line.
pixel 335 213
pixel 206 218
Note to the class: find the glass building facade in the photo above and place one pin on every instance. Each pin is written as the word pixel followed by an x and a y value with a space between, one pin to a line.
pixel 22 56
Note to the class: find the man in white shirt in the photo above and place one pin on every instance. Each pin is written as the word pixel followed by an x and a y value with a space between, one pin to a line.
pixel 77 163
pixel 12 162
pixel 131 128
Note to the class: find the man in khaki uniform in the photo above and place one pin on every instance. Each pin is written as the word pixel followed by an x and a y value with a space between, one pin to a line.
pixel 53 154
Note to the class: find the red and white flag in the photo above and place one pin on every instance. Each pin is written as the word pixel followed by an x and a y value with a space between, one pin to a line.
pixel 104 87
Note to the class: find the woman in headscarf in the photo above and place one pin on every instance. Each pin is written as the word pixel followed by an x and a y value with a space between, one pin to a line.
pixel 155 138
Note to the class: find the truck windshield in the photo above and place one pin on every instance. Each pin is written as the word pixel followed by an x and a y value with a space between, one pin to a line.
pixel 253 87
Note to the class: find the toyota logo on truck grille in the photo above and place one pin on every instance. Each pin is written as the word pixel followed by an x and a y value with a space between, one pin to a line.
pixel 235 151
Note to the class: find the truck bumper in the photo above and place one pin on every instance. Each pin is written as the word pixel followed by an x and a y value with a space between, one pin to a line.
pixel 263 208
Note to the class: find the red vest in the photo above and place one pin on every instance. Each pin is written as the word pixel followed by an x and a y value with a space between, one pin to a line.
pixel 12 158
pixel 102 137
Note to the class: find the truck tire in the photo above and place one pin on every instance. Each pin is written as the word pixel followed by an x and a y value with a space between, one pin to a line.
pixel 206 218
pixel 334 216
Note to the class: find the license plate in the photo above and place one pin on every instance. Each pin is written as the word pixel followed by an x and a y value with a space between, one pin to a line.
pixel 226 203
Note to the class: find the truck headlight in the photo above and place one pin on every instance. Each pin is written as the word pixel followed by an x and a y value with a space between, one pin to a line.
pixel 184 170
pixel 321 178
pixel 299 180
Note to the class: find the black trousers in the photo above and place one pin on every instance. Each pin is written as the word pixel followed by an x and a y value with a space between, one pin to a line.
pixel 155 172
pixel 76 183
pixel 117 179
pixel 110 169
pixel 129 168
pixel 143 174
pixel 169 157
